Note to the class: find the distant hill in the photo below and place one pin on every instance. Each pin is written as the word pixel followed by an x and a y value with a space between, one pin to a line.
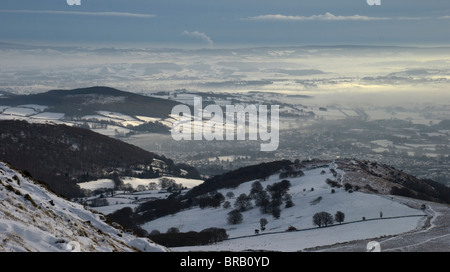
pixel 87 101
pixel 444 124
pixel 62 156
pixel 4 93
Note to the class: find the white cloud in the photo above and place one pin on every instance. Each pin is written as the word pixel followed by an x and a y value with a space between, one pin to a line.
pixel 102 13
pixel 200 36
pixel 321 17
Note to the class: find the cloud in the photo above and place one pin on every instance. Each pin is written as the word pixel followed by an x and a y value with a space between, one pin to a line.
pixel 102 13
pixel 200 36
pixel 321 17
pixel 329 17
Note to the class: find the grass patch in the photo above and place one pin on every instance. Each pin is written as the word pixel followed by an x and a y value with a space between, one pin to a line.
pixel 28 197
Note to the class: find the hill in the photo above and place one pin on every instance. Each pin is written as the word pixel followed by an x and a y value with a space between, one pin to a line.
pixel 369 194
pixel 384 179
pixel 63 156
pixel 346 174
pixel 87 101
pixel 238 176
pixel 33 219
pixel 366 176
pixel 104 110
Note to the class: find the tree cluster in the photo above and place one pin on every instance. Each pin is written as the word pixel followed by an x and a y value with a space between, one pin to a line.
pixel 170 184
pixel 278 194
pixel 127 219
pixel 323 219
pixel 62 156
pixel 191 238
pixel 268 200
pixel 291 172
pixel 213 200
pixel 236 177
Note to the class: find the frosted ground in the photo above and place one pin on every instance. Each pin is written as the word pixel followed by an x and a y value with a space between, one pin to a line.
pixel 135 182
pixel 434 237
pixel 122 199
pixel 34 219
pixel 355 206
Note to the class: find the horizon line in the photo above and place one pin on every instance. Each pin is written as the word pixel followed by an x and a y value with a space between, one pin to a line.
pixel 83 13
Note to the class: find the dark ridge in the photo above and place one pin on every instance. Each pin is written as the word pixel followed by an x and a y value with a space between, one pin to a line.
pixel 62 156
pixel 234 178
pixel 86 101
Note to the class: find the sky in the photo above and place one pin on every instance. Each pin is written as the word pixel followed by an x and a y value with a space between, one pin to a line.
pixel 222 23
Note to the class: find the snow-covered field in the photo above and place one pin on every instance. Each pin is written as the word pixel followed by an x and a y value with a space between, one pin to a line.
pixel 49 116
pixel 354 205
pixel 135 182
pixel 434 237
pixel 147 189
pixel 19 111
pixel 300 240
pixel 118 126
pixel 123 119
pixel 185 182
pixel 97 184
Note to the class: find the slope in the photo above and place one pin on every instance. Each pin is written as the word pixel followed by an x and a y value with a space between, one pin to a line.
pixel 321 187
pixel 85 101
pixel 62 156
pixel 34 219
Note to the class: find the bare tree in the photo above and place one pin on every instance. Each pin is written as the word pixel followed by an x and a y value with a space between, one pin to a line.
pixel 173 230
pixel 230 194
pixel 226 205
pixel 256 189
pixel 339 217
pixel 166 182
pixel 140 187
pixel 243 203
pixel 323 219
pixel 263 222
pixel 288 201
pixel 155 232
pixel 235 217
pixel 152 186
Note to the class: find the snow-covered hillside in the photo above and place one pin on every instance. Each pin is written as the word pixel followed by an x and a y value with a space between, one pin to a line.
pixel 383 215
pixel 34 219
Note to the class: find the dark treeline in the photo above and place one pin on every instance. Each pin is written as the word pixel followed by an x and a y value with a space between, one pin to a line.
pixel 62 156
pixel 234 178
